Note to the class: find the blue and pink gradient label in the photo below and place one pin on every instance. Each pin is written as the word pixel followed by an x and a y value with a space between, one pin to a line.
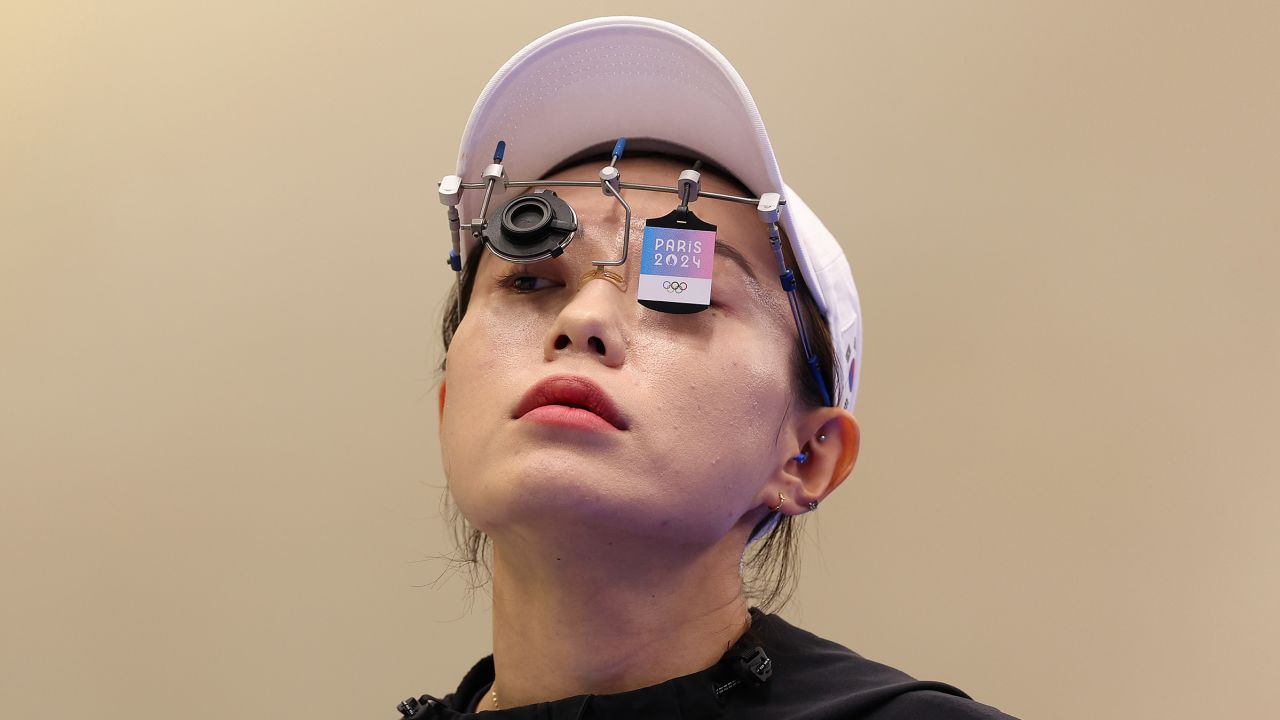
pixel 677 265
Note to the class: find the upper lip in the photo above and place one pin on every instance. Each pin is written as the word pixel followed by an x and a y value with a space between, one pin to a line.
pixel 574 391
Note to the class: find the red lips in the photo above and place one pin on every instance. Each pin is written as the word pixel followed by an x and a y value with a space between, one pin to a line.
pixel 571 391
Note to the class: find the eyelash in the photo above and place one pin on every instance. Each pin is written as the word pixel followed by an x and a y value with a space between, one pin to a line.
pixel 508 282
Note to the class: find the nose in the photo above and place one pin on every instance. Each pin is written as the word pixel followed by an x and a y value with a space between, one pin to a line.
pixel 590 323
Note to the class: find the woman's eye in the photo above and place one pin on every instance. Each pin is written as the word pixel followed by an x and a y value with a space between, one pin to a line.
pixel 525 283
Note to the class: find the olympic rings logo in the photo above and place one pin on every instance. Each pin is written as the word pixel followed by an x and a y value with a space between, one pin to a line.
pixel 674 286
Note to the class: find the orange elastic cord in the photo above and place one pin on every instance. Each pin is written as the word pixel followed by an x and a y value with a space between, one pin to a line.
pixel 603 274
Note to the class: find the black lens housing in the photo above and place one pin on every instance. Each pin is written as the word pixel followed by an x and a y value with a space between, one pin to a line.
pixel 531 227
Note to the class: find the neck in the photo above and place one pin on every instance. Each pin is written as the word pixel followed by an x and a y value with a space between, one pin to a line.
pixel 571 622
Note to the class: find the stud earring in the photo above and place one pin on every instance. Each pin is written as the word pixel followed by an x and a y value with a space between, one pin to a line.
pixel 813 505
pixel 822 437
pixel 801 457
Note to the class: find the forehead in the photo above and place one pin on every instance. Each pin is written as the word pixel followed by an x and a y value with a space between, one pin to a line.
pixel 734 218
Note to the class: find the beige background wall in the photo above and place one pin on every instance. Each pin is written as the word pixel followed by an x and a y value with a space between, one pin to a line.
pixel 221 268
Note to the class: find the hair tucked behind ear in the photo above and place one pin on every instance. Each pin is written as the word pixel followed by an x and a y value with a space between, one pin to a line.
pixel 771 564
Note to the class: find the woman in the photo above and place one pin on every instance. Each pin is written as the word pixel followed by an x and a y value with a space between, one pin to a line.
pixel 627 467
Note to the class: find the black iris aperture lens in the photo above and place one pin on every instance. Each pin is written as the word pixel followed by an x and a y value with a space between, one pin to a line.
pixel 526 218
pixel 531 227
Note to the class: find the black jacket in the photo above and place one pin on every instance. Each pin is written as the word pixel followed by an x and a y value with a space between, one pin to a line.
pixel 776 670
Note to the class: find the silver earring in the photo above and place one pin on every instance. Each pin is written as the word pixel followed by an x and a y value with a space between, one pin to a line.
pixel 813 505
pixel 821 437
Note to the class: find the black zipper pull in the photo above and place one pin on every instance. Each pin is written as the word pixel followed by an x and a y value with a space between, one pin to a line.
pixel 411 705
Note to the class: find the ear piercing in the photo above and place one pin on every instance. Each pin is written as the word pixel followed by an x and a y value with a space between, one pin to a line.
pixel 781 499
pixel 804 455
pixel 813 504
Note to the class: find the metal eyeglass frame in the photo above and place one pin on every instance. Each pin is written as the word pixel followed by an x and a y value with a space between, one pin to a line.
pixel 687 187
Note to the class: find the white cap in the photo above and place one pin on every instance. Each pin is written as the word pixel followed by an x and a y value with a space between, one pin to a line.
pixel 594 81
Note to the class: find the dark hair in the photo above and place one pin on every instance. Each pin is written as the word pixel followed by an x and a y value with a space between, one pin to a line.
pixel 771 564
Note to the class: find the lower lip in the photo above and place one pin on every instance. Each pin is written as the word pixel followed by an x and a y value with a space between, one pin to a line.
pixel 568 417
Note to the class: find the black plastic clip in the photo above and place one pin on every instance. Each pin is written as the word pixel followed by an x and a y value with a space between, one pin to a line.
pixel 408 707
pixel 754 666
pixel 411 705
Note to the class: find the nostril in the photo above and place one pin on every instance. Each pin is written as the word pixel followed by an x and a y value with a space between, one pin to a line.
pixel 596 344
pixel 562 342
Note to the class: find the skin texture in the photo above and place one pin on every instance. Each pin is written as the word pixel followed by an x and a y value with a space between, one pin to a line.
pixel 609 544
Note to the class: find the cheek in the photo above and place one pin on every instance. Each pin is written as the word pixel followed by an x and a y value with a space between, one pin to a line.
pixel 736 375
pixel 741 404
pixel 472 410
pixel 484 357
pixel 714 411
pixel 491 341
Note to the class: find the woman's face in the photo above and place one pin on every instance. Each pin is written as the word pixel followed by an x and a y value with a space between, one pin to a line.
pixel 703 395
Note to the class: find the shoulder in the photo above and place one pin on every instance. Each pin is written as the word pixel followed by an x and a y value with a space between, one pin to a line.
pixel 818 678
pixel 930 705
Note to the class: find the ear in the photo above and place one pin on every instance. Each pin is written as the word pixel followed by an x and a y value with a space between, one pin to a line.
pixel 830 439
